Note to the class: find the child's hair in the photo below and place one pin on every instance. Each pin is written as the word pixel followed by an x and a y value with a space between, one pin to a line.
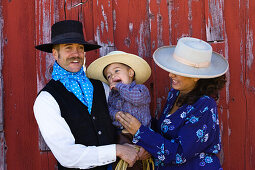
pixel 118 63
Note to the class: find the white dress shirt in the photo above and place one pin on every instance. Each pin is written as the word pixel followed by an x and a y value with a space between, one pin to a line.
pixel 60 140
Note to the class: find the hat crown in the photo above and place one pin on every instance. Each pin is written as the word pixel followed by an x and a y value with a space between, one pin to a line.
pixel 66 29
pixel 193 52
pixel 115 52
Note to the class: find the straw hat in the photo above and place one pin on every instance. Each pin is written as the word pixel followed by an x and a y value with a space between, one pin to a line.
pixel 139 65
pixel 191 57
pixel 65 32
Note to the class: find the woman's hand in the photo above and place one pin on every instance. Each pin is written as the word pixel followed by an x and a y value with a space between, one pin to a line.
pixel 143 154
pixel 129 122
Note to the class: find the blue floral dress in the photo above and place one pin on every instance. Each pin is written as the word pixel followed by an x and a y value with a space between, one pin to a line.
pixel 188 139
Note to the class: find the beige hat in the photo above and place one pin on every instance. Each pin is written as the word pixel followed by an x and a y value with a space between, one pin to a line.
pixel 138 64
pixel 191 57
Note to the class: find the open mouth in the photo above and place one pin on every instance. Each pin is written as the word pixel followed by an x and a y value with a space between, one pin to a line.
pixel 117 81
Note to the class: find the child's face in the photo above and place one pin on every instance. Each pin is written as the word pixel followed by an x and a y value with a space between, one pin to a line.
pixel 117 72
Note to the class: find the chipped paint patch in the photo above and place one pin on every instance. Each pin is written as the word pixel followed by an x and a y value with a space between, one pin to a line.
pixel 190 16
pixel 214 26
pixel 105 18
pixel 106 47
pixel 102 26
pixel 130 26
pixel 228 72
pixel 142 39
pixel 114 19
pixel 140 42
pixel 170 9
pixel 249 46
pixel 159 30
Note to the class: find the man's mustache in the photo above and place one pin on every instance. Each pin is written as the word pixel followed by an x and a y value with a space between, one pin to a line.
pixel 74 58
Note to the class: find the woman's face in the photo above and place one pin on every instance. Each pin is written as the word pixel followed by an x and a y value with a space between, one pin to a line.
pixel 183 84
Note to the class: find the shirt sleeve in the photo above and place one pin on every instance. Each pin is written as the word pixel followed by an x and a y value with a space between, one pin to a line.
pixel 194 136
pixel 60 140
pixel 137 95
pixel 106 90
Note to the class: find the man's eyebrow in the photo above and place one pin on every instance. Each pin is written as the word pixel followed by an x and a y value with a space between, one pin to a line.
pixel 67 44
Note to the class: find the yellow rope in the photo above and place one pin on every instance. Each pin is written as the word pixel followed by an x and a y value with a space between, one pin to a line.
pixel 122 165
pixel 146 164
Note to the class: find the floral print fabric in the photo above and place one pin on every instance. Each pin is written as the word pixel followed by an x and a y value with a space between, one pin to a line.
pixel 187 139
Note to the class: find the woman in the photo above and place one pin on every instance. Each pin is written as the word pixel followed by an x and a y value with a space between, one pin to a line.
pixel 187 135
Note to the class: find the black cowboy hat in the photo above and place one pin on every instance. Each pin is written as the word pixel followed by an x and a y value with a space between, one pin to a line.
pixel 65 32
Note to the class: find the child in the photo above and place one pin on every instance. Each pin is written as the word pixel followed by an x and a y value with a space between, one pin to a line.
pixel 124 73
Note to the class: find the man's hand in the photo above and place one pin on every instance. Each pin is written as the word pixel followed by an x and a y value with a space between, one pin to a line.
pixel 127 153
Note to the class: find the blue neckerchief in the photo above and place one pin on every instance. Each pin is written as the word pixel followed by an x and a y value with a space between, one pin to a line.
pixel 77 83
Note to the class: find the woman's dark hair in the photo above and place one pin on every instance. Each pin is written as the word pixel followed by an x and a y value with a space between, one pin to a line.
pixel 209 87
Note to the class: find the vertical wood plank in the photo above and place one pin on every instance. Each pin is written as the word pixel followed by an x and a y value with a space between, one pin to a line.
pixel 235 117
pixel 160 36
pixel 44 61
pixel 2 138
pixel 19 76
pixel 187 19
pixel 88 24
pixel 250 83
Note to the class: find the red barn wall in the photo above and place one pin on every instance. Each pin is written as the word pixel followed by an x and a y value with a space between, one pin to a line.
pixel 138 27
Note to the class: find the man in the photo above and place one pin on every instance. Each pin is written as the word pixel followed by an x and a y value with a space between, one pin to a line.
pixel 71 110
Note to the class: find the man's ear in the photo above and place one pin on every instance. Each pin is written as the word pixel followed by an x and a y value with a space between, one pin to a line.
pixel 55 53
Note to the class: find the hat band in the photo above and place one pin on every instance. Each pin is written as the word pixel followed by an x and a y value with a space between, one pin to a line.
pixel 70 35
pixel 189 63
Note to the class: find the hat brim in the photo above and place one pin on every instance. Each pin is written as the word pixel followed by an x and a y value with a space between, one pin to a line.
pixel 163 57
pixel 48 47
pixel 140 66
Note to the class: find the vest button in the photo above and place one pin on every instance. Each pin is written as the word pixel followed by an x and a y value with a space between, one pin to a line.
pixel 99 132
pixel 94 118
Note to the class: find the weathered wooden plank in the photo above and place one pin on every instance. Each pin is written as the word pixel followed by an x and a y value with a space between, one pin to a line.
pixel 19 84
pixel 44 61
pixel 187 19
pixel 1 66
pixel 88 24
pixel 235 117
pixel 160 36
pixel 250 84
pixel 2 138
pixel 214 20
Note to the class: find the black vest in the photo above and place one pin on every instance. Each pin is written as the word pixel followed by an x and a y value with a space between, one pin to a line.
pixel 90 130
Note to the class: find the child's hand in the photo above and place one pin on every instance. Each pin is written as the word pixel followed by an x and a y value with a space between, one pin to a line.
pixel 112 85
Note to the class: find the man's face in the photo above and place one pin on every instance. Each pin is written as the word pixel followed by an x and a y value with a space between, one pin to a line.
pixel 69 56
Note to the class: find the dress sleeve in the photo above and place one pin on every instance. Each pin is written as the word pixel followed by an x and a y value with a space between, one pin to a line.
pixel 60 140
pixel 195 134
pixel 137 95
